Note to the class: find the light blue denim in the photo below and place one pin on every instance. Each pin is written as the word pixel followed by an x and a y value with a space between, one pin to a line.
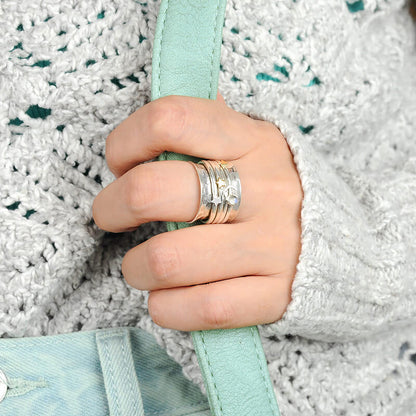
pixel 117 372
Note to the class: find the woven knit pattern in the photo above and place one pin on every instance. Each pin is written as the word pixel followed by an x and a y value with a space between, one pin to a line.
pixel 338 80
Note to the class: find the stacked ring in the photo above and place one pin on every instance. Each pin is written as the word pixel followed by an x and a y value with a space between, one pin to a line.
pixel 220 191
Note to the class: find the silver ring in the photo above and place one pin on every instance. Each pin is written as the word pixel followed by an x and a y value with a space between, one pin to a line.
pixel 215 195
pixel 220 191
pixel 220 181
pixel 233 192
pixel 205 192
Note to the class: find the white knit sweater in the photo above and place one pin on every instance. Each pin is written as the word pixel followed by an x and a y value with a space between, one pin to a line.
pixel 339 80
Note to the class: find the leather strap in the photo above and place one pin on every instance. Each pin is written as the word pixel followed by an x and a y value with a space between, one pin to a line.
pixel 186 58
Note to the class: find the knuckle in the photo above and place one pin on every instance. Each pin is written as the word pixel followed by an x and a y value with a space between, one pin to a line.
pixel 163 261
pixel 167 118
pixel 267 129
pixel 142 185
pixel 216 311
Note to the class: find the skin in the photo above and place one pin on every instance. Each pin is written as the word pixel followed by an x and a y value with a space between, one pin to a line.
pixel 213 275
pixel 205 276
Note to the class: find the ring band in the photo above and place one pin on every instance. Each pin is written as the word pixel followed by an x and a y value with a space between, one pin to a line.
pixel 220 191
pixel 205 192
pixel 222 208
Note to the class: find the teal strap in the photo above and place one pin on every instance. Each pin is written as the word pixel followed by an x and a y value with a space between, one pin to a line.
pixel 119 373
pixel 186 57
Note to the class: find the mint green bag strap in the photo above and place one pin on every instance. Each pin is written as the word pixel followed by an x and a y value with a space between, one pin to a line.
pixel 186 58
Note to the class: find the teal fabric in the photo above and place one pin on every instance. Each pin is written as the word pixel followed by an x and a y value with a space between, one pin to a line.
pixel 186 57
pixel 186 48
pixel 235 372
pixel 121 383
pixel 117 372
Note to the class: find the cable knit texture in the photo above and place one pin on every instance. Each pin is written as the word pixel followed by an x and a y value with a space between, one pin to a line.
pixel 338 78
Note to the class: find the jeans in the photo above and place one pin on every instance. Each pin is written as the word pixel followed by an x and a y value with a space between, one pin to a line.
pixel 116 371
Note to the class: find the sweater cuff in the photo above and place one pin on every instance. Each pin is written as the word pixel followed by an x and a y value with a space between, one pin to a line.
pixel 346 284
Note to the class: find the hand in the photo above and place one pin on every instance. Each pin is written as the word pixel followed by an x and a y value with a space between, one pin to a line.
pixel 211 275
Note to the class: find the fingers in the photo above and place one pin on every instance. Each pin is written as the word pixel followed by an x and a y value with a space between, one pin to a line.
pixel 187 125
pixel 232 303
pixel 157 191
pixel 194 255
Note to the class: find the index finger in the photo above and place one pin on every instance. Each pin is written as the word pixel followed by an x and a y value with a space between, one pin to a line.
pixel 193 126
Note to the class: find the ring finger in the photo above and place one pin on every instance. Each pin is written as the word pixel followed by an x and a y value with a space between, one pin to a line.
pixel 157 191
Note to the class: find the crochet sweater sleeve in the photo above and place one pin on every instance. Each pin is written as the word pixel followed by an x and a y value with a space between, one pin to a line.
pixel 356 274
